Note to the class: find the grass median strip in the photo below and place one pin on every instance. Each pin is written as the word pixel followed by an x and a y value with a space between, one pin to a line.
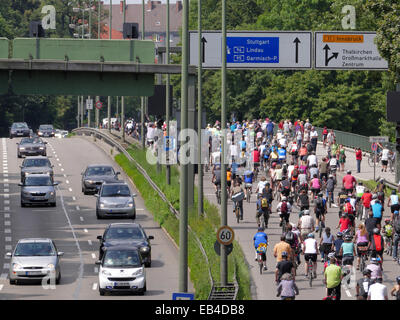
pixel 204 227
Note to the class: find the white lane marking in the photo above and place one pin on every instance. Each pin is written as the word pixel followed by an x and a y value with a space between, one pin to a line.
pixel 86 230
pixel 6 190
pixel 6 185
pixel 81 218
pixel 7 230
pixel 81 266
pixel 139 209
pixel 62 169
pixel 5 180
pixel 73 198
pixel 6 266
pixel 6 201
pixel 6 174
pixel 70 189
pixel 3 276
pixel 96 269
pixel 90 242
pixel 8 247
pixel 1 286
pixel 65 175
pixel 7 223
pixel 67 181
pixel 348 293
pixel 7 215
pixel 77 208
pixel 6 195
pixel 94 287
pixel 8 239
pixel 6 208
pixel 59 164
pixel 93 256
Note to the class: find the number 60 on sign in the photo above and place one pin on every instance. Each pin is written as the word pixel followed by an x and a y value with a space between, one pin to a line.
pixel 225 235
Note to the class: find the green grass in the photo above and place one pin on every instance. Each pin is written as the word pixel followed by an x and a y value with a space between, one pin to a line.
pixel 204 227
pixel 371 185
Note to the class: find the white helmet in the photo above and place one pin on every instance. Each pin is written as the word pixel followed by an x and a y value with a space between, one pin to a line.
pixel 284 199
pixel 306 212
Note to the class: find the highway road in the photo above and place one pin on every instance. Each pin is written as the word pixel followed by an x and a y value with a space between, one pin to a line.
pixel 263 286
pixel 73 226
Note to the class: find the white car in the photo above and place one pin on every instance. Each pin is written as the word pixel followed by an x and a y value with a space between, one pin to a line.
pixel 121 270
pixel 60 133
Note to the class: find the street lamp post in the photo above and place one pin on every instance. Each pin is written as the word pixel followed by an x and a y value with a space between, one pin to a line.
pixel 123 98
pixel 167 97
pixel 199 116
pixel 142 98
pixel 109 98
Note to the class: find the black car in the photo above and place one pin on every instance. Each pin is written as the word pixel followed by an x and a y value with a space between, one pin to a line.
pixel 94 176
pixel 127 234
pixel 31 147
pixel 36 165
pixel 46 130
pixel 19 129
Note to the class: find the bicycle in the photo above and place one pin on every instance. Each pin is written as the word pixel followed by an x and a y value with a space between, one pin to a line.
pixel 310 271
pixel 237 211
pixel 261 250
pixel 364 257
pixel 389 245
pixel 218 194
pixel 359 211
pixel 372 160
pixel 248 191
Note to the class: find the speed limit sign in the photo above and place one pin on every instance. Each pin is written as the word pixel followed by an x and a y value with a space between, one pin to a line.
pixel 225 235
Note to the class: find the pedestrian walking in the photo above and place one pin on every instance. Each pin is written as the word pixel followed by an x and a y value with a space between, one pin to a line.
pixel 358 159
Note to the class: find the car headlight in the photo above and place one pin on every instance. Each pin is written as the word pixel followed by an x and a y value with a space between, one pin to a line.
pixel 41 148
pixel 21 148
pixel 90 181
pixel 39 133
pixel 50 266
pixel 130 204
pixel 106 273
pixel 138 272
pixel 102 205
pixel 144 249
pixel 52 193
pixel 16 266
pixel 27 173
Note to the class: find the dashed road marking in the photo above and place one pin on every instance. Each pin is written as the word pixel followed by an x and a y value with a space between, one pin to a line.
pixel 8 239
pixel 1 286
pixel 3 276
pixel 8 247
pixel 96 270
pixel 90 242
pixel 94 287
pixel 70 189
pixel 93 256
pixel 74 198
pixel 6 266
pixel 7 230
pixel 7 223
pixel 81 218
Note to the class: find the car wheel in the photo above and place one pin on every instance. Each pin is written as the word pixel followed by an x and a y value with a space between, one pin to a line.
pixel 102 292
pixel 19 156
pixel 23 205
pixel 98 215
pixel 12 281
pixel 141 292
pixel 53 204
pixel 58 280
pixel 11 136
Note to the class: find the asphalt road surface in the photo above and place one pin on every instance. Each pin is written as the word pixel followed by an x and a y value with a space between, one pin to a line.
pixel 73 226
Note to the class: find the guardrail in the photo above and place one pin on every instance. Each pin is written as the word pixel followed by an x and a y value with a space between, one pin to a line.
pixel 118 146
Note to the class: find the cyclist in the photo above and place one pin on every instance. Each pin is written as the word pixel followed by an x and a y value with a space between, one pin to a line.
pixel 347 251
pixel 306 224
pixel 228 180
pixel 349 182
pixel 342 196
pixel 338 244
pixel 282 154
pixel 261 240
pixel 396 238
pixel 320 210
pixel 363 285
pixel 376 270
pixel 278 175
pixel 284 208
pixel 393 202
pixel 330 187
pixel 344 222
pixel 287 288
pixel 248 179
pixel 315 185
pixel 236 191
pixel 377 210
pixel 216 178
pixel 326 243
pixel 303 201
pixel 362 241
pixel 263 209
pixel 284 266
pixel 377 244
pixel 380 190
pixel 360 189
pixel 310 251
pixel 260 187
pixel 281 247
pixel 294 177
pixel 256 159
pixel 366 202
pixel 387 232
pixel 348 209
pixel 333 276
pixel 285 188
pixel 333 164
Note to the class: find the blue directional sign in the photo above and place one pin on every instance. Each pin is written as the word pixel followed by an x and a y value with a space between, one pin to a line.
pixel 252 50
pixel 182 296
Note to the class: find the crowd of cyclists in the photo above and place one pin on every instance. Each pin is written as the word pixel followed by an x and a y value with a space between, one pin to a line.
pixel 293 176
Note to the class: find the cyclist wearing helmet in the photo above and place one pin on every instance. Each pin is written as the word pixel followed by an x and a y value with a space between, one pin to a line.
pixel 320 210
pixel 306 224
pixel 338 244
pixel 284 208
pixel 376 270
pixel 348 250
pixel 310 251
pixel 363 285
pixel 377 244
pixel 393 202
pixel 395 292
pixel 261 240
pixel 344 222
pixel 349 182
pixel 284 266
pixel 387 232
pixel 333 276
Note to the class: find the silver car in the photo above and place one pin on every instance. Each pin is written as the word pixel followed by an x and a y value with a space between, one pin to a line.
pixel 34 259
pixel 31 147
pixel 36 165
pixel 38 189
pixel 115 199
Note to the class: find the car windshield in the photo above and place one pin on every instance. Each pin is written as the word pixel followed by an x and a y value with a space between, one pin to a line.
pixel 124 233
pixel 28 249
pixel 36 163
pixel 46 127
pixel 31 140
pixel 19 126
pixel 121 258
pixel 38 181
pixel 115 191
pixel 100 171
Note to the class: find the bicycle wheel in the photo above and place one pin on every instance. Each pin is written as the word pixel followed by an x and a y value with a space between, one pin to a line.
pixel 320 229
pixel 219 196
pixel 260 264
pixel 310 273
pixel 237 214
pixel 248 195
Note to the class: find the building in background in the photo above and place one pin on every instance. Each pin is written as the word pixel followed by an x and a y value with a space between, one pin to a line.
pixel 155 20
